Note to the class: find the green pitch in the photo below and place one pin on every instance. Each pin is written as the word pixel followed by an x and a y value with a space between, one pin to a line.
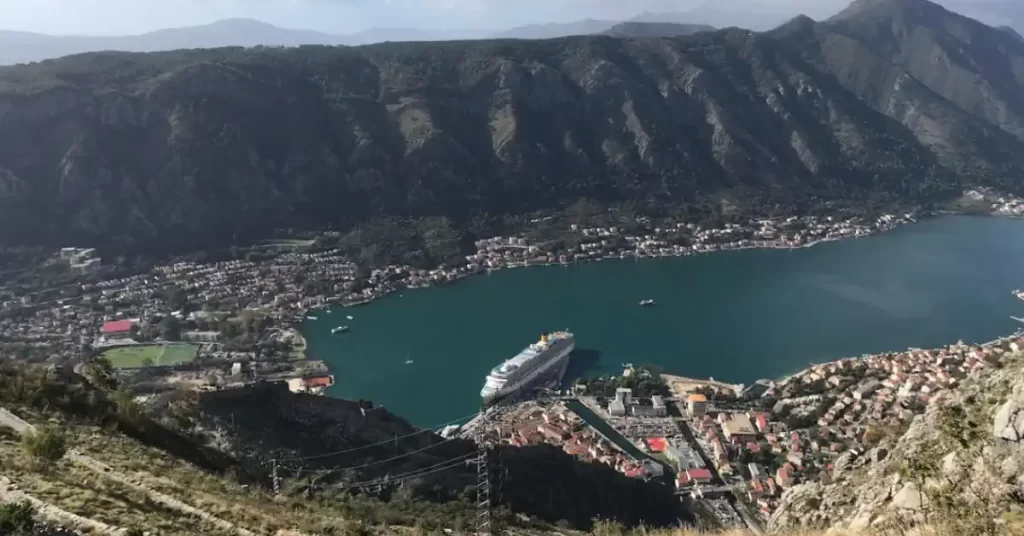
pixel 129 357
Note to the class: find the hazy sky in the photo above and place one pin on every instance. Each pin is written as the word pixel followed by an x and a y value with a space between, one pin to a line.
pixel 107 17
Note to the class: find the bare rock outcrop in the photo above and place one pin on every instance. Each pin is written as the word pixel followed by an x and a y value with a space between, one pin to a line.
pixel 980 469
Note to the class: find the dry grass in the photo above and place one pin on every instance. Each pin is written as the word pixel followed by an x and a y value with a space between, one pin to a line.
pixel 78 490
pixel 225 498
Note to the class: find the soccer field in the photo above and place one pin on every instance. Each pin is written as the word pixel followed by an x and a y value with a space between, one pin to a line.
pixel 129 357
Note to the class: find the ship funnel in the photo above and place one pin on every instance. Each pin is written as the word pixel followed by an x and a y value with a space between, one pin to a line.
pixel 543 337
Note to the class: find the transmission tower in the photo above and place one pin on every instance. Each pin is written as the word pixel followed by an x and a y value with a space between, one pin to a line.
pixel 483 487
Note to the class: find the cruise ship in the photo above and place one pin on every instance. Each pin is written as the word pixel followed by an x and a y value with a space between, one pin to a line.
pixel 546 358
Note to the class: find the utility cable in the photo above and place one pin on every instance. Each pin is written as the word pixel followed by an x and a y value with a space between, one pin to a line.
pixel 392 440
pixel 391 459
pixel 448 464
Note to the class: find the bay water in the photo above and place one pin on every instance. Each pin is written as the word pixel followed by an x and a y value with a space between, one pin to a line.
pixel 736 316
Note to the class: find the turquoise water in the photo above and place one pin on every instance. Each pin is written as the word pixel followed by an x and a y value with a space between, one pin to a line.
pixel 735 316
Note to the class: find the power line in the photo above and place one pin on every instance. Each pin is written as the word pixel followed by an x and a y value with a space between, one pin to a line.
pixel 392 440
pixel 448 464
pixel 391 459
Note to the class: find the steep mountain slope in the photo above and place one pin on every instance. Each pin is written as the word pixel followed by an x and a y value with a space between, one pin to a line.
pixel 964 61
pixel 655 29
pixel 890 101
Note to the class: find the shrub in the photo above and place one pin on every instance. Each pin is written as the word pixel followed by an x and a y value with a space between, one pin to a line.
pixel 17 519
pixel 46 446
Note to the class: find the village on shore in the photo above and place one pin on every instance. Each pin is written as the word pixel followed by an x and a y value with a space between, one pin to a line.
pixel 750 442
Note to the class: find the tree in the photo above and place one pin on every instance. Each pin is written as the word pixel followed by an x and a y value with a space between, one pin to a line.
pixel 17 519
pixel 170 328
pixel 45 446
pixel 101 373
pixel 127 409
pixel 176 297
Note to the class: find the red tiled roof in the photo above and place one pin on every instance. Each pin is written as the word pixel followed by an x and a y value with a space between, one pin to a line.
pixel 116 326
pixel 657 444
pixel 699 474
pixel 322 381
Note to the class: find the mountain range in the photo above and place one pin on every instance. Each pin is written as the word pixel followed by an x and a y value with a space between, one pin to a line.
pixel 889 102
pixel 23 47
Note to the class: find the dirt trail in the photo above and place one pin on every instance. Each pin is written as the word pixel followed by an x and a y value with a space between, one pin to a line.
pixel 10 493
pixel 108 472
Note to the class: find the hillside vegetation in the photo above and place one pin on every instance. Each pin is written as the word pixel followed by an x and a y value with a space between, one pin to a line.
pixel 203 465
pixel 890 102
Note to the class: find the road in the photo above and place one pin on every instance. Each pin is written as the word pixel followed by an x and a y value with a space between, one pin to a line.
pixel 752 523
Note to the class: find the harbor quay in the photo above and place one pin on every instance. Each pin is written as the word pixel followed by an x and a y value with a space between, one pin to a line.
pixel 747 443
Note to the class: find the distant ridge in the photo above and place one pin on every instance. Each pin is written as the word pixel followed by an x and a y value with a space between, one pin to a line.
pixel 556 29
pixel 655 29
pixel 25 47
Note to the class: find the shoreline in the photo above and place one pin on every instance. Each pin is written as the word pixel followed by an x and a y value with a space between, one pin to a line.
pixel 671 378
pixel 741 245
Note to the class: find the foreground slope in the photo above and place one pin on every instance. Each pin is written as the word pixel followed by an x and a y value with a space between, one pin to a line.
pixel 204 465
pixel 208 147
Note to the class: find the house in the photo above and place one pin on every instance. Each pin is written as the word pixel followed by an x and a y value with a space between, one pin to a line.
pixel 757 471
pixel 117 329
pixel 739 427
pixel 658 405
pixel 866 389
pixel 657 444
pixel 697 405
pixel 624 395
pixel 617 408
pixel 784 476
pixel 701 476
pixel 315 385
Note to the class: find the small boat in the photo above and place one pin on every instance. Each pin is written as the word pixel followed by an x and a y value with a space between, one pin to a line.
pixel 339 329
pixel 408 361
pixel 645 303
pixel 349 317
pixel 310 318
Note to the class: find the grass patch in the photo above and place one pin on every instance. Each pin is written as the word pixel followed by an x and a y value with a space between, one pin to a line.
pixel 159 355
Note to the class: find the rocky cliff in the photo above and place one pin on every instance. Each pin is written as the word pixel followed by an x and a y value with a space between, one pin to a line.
pixel 960 465
pixel 890 101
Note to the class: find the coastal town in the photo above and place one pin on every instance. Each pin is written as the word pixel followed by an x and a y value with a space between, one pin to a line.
pixel 746 444
pixel 733 449
pixel 286 282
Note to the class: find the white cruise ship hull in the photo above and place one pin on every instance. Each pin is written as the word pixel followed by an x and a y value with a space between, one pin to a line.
pixel 553 368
